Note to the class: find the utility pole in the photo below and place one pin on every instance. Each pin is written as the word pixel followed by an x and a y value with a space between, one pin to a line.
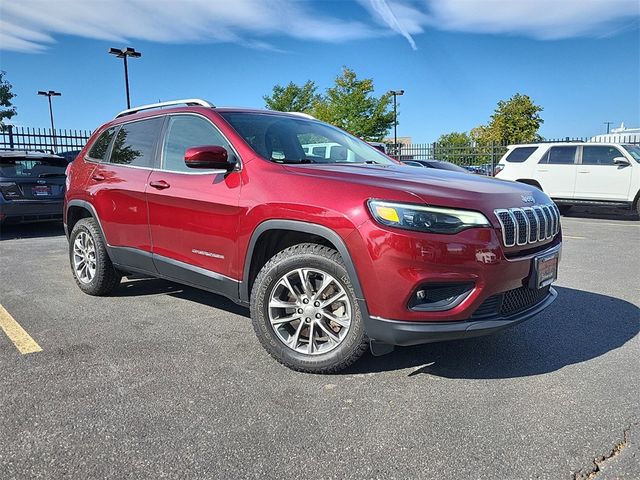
pixel 608 124
pixel 124 53
pixel 50 94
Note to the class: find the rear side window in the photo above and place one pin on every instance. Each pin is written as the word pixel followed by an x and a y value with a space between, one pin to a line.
pixel 135 143
pixel 101 146
pixel 560 156
pixel 520 154
pixel 186 131
pixel 599 155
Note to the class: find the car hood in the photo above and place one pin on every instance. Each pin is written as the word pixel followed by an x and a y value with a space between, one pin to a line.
pixel 431 186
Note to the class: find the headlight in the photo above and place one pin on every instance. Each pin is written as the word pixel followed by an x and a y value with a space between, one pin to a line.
pixel 425 219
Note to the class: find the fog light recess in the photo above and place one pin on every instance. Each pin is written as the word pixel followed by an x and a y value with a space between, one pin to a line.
pixel 438 297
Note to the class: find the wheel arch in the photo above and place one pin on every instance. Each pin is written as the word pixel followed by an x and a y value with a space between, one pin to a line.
pixel 77 210
pixel 296 232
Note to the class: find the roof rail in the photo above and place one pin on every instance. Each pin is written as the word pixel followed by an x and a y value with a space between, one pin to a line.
pixel 302 114
pixel 186 101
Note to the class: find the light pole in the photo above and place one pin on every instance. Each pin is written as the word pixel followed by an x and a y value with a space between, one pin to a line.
pixel 124 53
pixel 50 94
pixel 608 124
pixel 395 94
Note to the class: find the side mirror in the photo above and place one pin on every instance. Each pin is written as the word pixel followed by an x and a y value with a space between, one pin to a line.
pixel 212 157
pixel 621 161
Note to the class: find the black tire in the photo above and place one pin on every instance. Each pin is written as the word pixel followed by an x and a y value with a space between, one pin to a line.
pixel 106 277
pixel 320 258
pixel 564 209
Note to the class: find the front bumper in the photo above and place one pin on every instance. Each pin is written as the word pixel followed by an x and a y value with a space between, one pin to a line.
pixel 395 332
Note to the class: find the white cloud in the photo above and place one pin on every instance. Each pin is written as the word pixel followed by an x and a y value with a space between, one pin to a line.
pixel 32 25
pixel 246 22
pixel 540 19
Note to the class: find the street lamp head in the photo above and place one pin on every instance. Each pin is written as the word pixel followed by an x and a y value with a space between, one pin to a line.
pixel 125 52
pixel 50 93
pixel 396 92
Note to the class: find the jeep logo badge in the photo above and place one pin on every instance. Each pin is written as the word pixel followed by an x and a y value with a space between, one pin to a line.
pixel 528 198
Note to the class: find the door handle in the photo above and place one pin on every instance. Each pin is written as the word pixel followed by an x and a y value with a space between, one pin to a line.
pixel 584 171
pixel 159 184
pixel 543 170
pixel 98 177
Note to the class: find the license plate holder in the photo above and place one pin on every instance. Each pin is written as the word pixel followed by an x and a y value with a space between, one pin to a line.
pixel 545 270
pixel 41 191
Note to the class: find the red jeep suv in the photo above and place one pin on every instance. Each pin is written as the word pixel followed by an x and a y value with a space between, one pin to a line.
pixel 334 246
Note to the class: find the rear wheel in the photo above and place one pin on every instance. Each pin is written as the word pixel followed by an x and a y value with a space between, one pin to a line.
pixel 304 310
pixel 90 263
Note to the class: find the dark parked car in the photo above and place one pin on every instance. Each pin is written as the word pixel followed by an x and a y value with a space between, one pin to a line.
pixel 439 164
pixel 332 254
pixel 32 186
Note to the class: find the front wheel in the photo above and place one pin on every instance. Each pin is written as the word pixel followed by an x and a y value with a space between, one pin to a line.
pixel 304 310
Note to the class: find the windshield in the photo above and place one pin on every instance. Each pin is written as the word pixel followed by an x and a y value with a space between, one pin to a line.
pixel 634 151
pixel 24 167
pixel 285 139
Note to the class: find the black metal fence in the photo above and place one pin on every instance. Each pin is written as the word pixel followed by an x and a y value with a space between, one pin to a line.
pixel 42 139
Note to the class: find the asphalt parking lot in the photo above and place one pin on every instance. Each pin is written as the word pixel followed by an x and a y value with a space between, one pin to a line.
pixel 163 381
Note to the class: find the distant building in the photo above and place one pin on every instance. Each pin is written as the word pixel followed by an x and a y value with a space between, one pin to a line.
pixel 401 141
pixel 619 135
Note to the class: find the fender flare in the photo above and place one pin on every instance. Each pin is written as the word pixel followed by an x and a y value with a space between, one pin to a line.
pixel 87 206
pixel 304 227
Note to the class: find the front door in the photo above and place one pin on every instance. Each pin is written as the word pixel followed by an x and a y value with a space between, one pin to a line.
pixel 193 214
pixel 599 178
pixel 556 171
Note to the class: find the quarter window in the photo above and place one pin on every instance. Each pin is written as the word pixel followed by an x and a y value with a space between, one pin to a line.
pixel 186 131
pixel 599 155
pixel 101 146
pixel 560 156
pixel 519 155
pixel 135 143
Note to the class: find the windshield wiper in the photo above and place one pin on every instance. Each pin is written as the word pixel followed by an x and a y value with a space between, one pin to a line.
pixel 44 175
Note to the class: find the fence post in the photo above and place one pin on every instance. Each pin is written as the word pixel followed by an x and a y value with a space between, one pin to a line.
pixel 10 136
pixel 493 158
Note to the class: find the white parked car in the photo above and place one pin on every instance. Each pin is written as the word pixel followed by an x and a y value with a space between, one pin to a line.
pixel 577 173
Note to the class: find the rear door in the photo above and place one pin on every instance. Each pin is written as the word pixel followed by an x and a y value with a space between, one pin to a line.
pixel 599 178
pixel 193 214
pixel 556 171
pixel 117 186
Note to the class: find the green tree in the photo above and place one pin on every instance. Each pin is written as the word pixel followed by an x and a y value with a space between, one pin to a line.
pixel 351 105
pixel 454 147
pixel 516 120
pixel 293 98
pixel 7 110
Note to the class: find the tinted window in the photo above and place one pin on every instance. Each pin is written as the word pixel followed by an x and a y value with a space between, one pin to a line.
pixel 187 131
pixel 24 167
pixel 135 143
pixel 560 155
pixel 599 155
pixel 634 151
pixel 99 149
pixel 519 155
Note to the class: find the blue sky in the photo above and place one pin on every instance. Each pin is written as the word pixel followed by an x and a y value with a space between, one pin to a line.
pixel 579 59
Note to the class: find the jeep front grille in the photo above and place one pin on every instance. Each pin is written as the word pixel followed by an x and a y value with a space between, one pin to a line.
pixel 526 225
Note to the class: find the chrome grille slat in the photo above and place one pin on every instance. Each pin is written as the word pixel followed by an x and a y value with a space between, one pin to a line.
pixel 528 225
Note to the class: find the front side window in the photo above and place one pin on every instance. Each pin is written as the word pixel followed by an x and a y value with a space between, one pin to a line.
pixel 600 155
pixel 99 149
pixel 135 143
pixel 186 131
pixel 520 154
pixel 288 139
pixel 560 156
